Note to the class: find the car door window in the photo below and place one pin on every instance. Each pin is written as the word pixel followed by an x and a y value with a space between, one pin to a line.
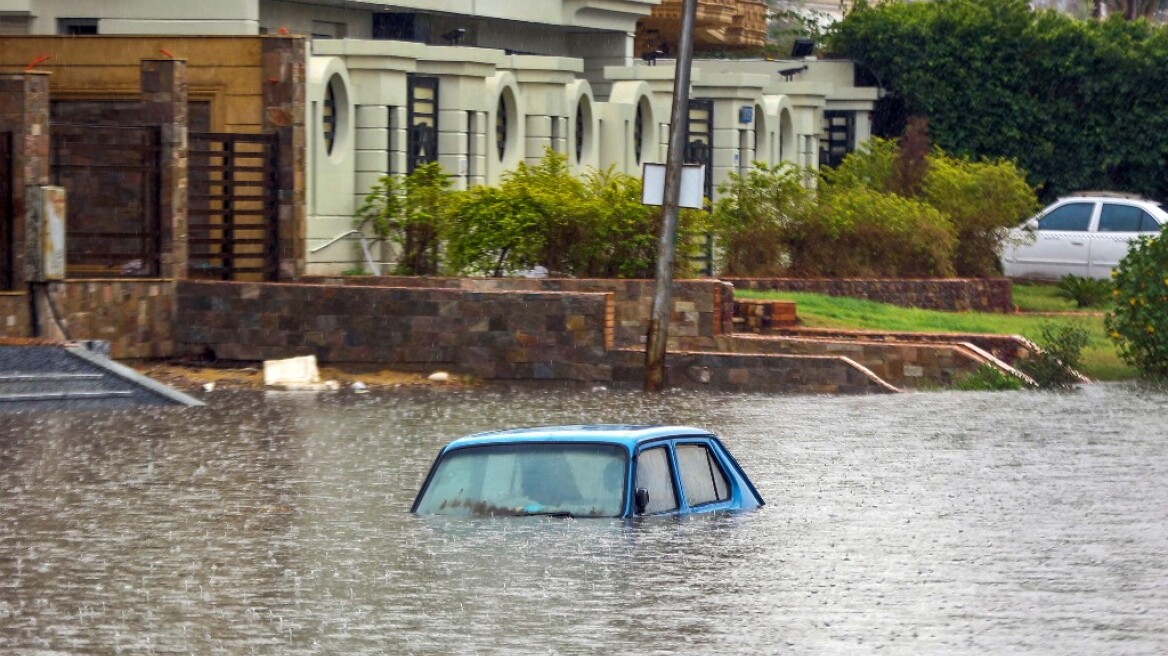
pixel 1072 217
pixel 1149 224
pixel 1122 218
pixel 702 478
pixel 655 475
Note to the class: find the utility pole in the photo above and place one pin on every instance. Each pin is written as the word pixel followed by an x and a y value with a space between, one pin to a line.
pixel 667 246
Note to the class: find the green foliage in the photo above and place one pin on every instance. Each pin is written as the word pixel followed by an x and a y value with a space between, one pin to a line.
pixel 982 200
pixel 988 378
pixel 1085 292
pixel 862 232
pixel 544 215
pixel 885 211
pixel 754 219
pixel 1139 323
pixel 1061 355
pixel 412 213
pixel 1077 104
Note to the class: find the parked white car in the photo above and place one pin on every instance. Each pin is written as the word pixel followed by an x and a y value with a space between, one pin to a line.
pixel 1084 235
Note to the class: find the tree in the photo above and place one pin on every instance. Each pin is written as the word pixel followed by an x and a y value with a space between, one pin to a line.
pixel 1077 104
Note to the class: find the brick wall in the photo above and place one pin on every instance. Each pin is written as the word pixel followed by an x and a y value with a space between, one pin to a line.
pixel 526 335
pixel 702 309
pixel 954 294
pixel 136 317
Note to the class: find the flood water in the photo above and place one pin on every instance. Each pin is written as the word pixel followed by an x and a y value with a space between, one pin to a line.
pixel 928 523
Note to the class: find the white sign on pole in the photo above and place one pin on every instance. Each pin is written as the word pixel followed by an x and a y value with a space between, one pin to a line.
pixel 693 178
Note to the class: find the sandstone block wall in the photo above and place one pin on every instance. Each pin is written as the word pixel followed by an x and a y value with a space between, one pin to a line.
pixel 529 335
pixel 702 309
pixel 957 294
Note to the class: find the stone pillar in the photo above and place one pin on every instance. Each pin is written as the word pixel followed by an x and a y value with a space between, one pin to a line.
pixel 284 80
pixel 164 104
pixel 24 111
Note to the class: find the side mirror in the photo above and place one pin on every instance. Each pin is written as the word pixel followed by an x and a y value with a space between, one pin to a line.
pixel 641 500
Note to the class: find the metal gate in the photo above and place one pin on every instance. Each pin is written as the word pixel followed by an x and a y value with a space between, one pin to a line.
pixel 699 140
pixel 7 278
pixel 233 205
pixel 111 175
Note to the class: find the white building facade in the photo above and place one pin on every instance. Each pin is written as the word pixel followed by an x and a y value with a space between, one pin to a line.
pixel 481 85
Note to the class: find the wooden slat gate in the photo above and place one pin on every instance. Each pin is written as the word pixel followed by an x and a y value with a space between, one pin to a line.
pixel 7 278
pixel 233 206
pixel 112 177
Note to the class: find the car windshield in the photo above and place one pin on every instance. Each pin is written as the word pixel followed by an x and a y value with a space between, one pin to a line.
pixel 578 480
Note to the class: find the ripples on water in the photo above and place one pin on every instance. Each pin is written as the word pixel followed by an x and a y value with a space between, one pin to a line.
pixel 917 523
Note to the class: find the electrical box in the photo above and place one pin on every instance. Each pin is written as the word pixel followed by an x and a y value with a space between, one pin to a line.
pixel 46 233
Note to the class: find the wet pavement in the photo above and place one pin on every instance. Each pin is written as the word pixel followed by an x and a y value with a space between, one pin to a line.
pixel 956 523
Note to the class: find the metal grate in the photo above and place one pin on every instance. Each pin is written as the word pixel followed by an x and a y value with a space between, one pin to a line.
pixel 233 224
pixel 111 175
pixel 840 127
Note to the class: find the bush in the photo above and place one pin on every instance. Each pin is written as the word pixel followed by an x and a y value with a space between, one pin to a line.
pixel 982 200
pixel 1061 355
pixel 1085 292
pixel 543 215
pixel 859 232
pixel 1139 323
pixel 988 378
pixel 752 220
pixel 412 213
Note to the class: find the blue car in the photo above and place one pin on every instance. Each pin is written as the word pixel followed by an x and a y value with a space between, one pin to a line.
pixel 586 471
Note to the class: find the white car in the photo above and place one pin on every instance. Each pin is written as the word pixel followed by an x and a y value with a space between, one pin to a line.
pixel 1085 235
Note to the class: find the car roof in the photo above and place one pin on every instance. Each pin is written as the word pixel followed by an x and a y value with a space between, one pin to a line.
pixel 1111 197
pixel 629 436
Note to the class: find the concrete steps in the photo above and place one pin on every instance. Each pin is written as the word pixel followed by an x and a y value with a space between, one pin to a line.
pixel 38 376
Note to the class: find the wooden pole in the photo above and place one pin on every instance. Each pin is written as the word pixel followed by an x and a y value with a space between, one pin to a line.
pixel 667 248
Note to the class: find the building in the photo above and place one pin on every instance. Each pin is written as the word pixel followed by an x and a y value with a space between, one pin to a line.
pixel 479 86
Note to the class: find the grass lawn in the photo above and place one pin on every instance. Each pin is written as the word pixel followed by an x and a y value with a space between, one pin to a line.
pixel 1100 359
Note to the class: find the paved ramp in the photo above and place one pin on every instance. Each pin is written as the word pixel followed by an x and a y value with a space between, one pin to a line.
pixel 40 377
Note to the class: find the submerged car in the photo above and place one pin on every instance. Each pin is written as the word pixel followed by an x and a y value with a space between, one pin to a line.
pixel 1085 235
pixel 586 471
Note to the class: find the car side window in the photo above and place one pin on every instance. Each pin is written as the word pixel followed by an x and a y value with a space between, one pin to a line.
pixel 702 478
pixel 655 475
pixel 1074 217
pixel 1122 218
pixel 1149 224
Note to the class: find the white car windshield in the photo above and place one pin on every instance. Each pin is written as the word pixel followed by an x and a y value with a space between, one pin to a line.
pixel 578 480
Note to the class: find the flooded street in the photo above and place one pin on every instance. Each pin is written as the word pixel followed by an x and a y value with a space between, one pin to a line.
pixel 921 523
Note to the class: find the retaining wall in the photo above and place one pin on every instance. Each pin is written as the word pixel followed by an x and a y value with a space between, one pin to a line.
pixel 702 309
pixel 954 294
pixel 518 335
pixel 790 374
pixel 135 316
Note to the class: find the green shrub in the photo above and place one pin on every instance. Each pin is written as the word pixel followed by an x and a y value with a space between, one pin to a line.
pixel 1061 355
pixel 753 218
pixel 1139 322
pixel 412 213
pixel 982 200
pixel 987 378
pixel 857 231
pixel 544 215
pixel 1085 292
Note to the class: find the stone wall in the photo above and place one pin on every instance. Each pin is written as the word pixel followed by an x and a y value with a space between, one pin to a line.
pixel 515 335
pixel 790 374
pixel 702 309
pixel 954 294
pixel 901 365
pixel 135 316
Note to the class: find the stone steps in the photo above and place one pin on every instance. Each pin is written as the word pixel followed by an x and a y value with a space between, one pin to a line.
pixel 70 376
